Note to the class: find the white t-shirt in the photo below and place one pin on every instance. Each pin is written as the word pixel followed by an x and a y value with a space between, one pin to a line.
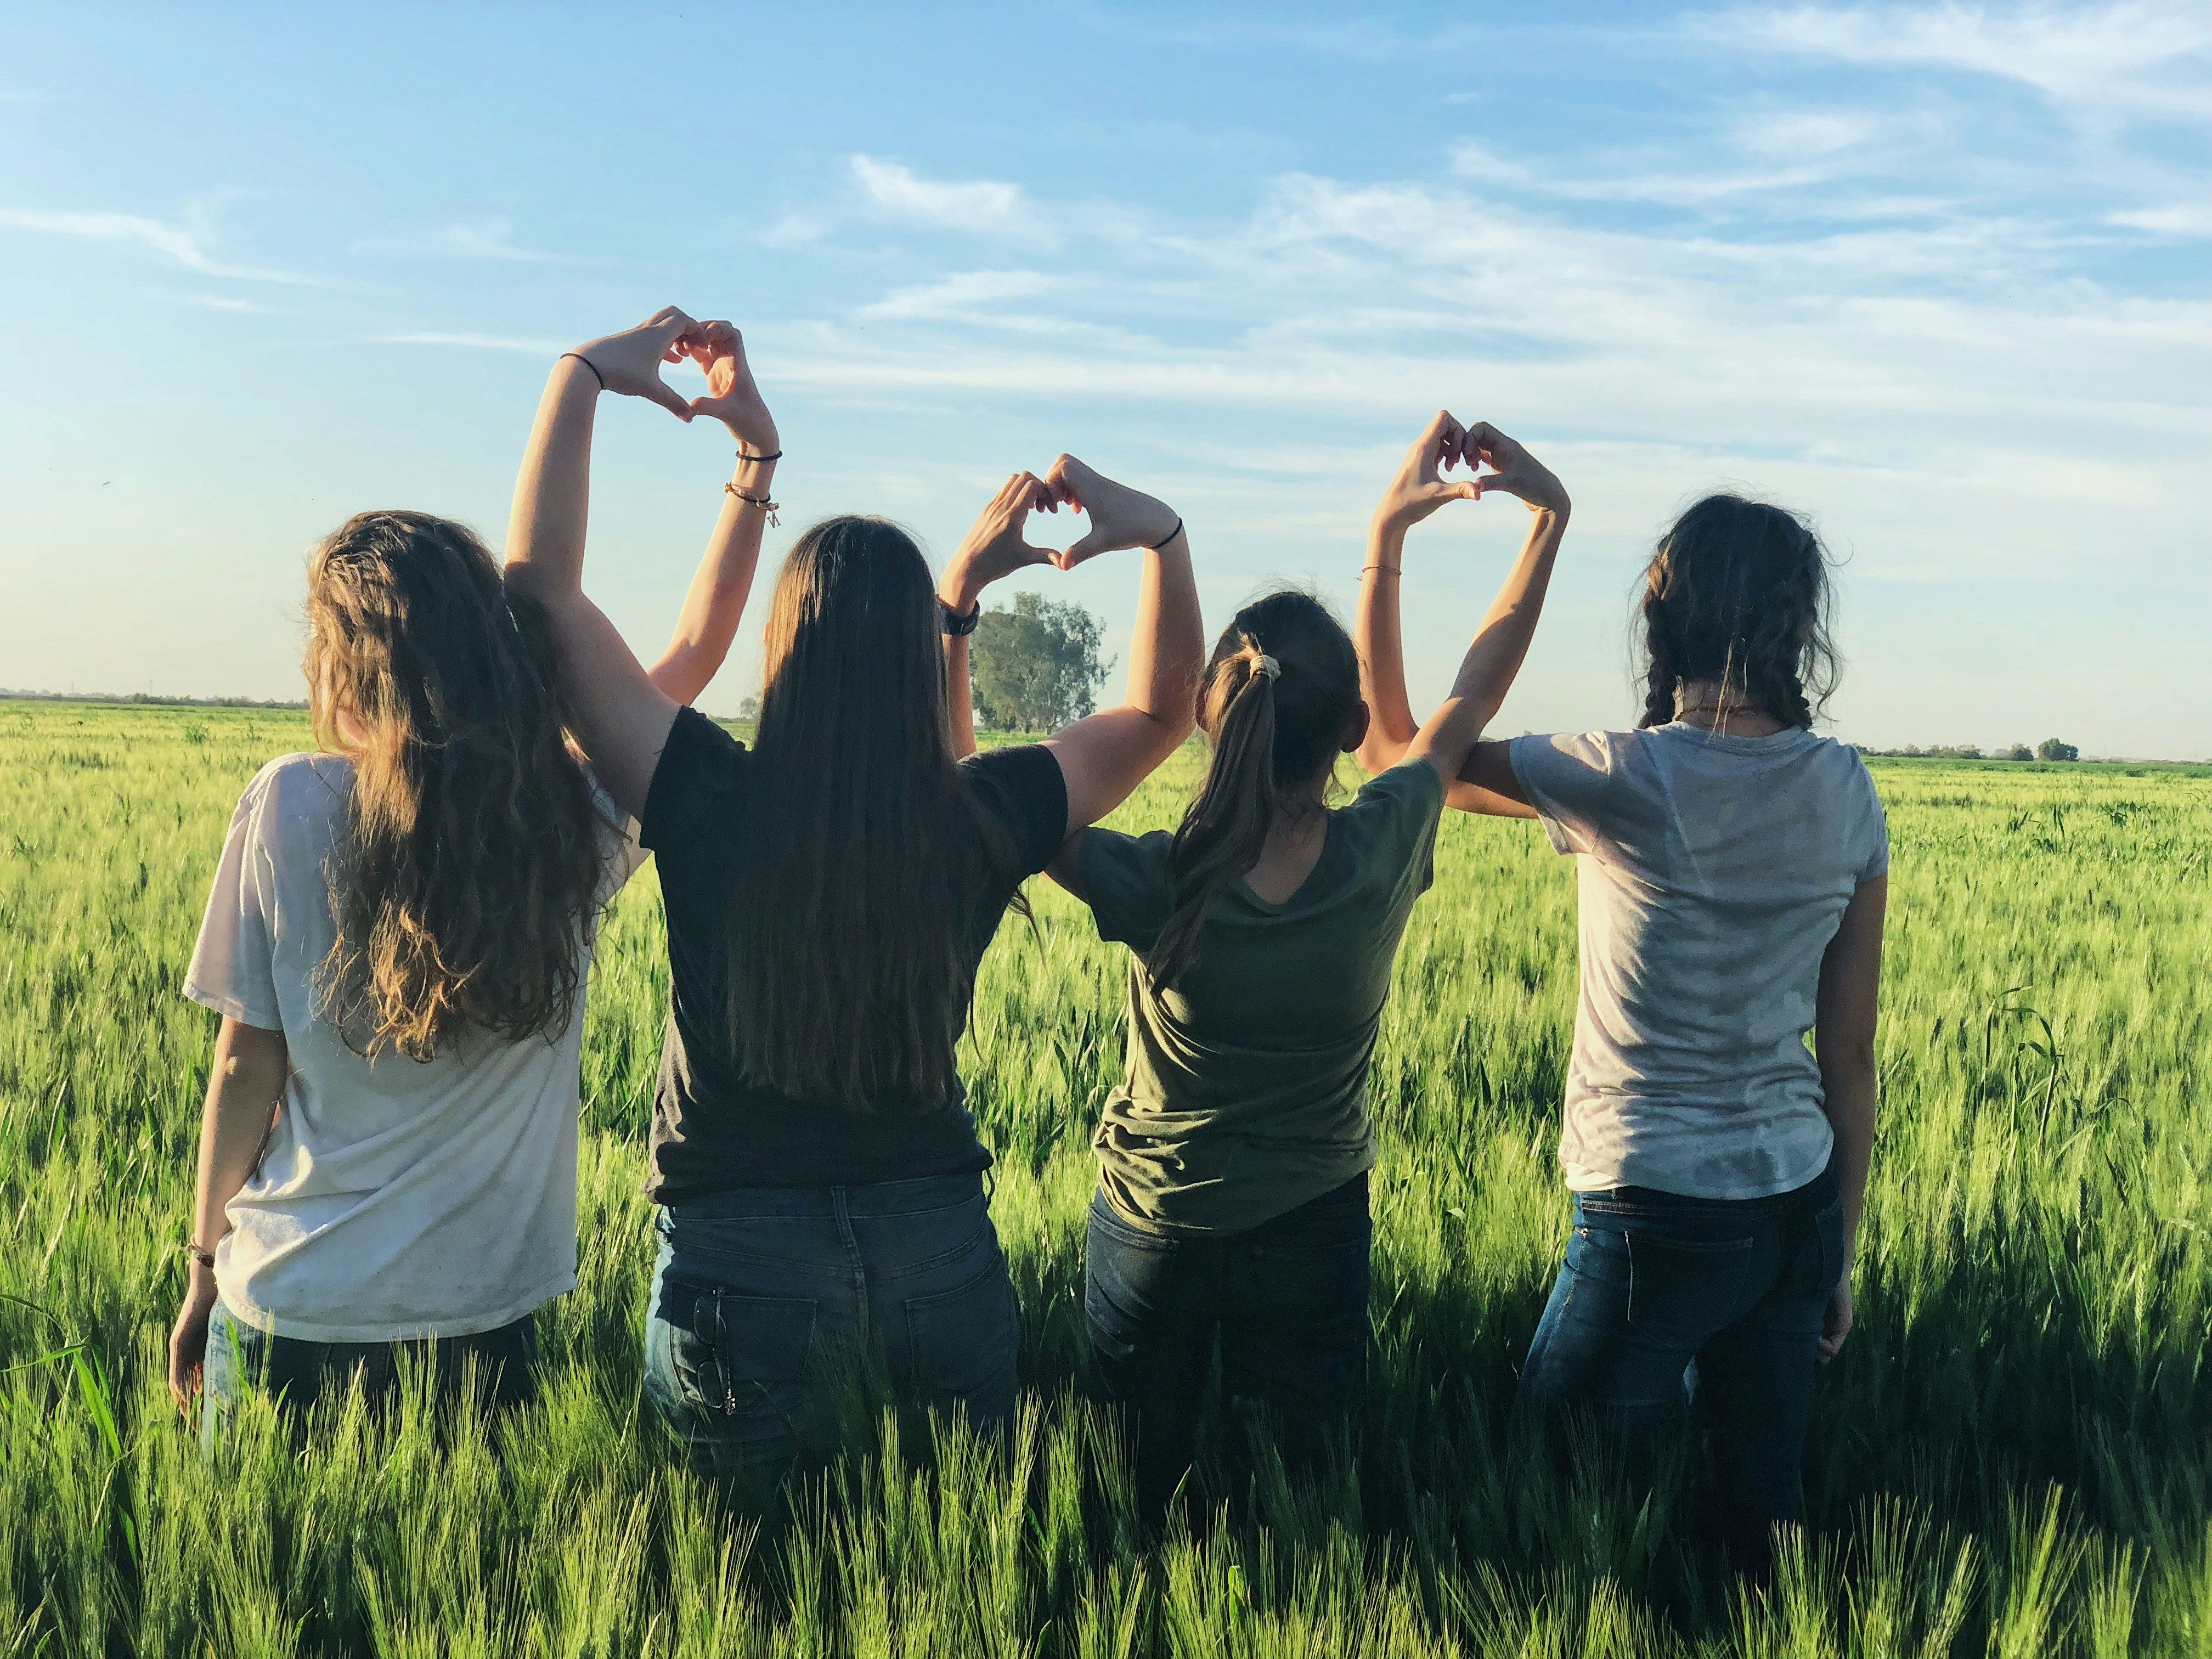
pixel 1714 871
pixel 396 1198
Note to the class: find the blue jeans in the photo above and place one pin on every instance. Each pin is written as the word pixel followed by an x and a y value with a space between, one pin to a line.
pixel 1288 1299
pixel 769 1303
pixel 503 1361
pixel 1663 1300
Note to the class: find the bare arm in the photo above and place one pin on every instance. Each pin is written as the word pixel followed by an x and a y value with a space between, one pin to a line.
pixel 245 1085
pixel 994 547
pixel 1103 758
pixel 1845 1021
pixel 1449 739
pixel 716 602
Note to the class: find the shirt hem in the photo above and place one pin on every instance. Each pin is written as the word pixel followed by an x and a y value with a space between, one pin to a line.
pixel 261 1019
pixel 1581 1179
pixel 268 1322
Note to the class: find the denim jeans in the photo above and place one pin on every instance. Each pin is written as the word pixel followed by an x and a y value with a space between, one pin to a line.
pixel 767 1303
pixel 238 1356
pixel 1664 1300
pixel 1288 1299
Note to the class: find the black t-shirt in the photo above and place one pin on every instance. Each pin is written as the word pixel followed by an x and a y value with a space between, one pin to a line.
pixel 712 1130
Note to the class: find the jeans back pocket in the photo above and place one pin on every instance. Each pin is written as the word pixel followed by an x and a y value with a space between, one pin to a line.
pixel 742 1359
pixel 1681 1291
pixel 963 1344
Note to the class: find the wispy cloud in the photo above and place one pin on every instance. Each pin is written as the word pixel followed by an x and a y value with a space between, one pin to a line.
pixel 971 204
pixel 485 239
pixel 537 346
pixel 176 243
pixel 2187 219
pixel 226 302
pixel 960 293
pixel 2129 59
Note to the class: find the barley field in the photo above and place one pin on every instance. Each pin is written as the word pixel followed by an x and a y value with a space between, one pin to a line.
pixel 2011 1458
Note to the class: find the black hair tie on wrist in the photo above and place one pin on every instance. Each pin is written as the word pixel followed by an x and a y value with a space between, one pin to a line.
pixel 1154 547
pixel 744 457
pixel 589 364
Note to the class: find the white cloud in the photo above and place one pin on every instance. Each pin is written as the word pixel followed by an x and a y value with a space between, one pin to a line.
pixel 972 204
pixel 2189 219
pixel 961 295
pixel 795 230
pixel 2131 58
pixel 486 239
pixel 172 242
pixel 534 346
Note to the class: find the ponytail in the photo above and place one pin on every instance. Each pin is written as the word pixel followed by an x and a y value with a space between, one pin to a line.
pixel 1226 829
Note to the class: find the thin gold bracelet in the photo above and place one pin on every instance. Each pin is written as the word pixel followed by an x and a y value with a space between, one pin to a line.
pixel 1395 570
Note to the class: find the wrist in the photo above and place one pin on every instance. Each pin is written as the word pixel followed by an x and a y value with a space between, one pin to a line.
pixel 961 590
pixel 750 444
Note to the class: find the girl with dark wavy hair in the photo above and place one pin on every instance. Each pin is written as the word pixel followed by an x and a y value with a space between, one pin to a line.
pixel 830 891
pixel 1733 875
pixel 1233 1159
pixel 398 943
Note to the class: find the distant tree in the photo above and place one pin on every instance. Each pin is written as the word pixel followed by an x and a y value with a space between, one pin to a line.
pixel 749 708
pixel 2051 750
pixel 1037 667
pixel 2018 751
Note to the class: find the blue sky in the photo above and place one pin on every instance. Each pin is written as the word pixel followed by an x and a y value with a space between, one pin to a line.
pixel 1940 276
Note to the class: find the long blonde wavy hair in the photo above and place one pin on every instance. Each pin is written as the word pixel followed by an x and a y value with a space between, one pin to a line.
pixel 466 879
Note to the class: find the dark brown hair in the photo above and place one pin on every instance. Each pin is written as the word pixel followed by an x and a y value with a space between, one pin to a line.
pixel 848 981
pixel 470 863
pixel 1273 736
pixel 1737 593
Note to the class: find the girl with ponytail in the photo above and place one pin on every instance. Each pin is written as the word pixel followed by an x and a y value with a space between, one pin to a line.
pixel 1732 874
pixel 398 943
pixel 1233 1159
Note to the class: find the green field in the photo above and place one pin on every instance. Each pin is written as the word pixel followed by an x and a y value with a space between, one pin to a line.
pixel 2011 1458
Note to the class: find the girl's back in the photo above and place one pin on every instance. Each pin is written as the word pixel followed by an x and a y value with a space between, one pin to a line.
pixel 1715 870
pixel 1245 1092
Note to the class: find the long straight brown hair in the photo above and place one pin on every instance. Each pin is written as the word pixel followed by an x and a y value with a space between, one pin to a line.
pixel 470 862
pixel 1273 734
pixel 848 978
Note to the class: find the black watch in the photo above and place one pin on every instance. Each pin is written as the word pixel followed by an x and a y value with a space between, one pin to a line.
pixel 955 625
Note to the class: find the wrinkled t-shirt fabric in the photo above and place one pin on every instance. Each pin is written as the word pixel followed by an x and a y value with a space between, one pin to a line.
pixel 396 1199
pixel 1713 872
pixel 1244 1092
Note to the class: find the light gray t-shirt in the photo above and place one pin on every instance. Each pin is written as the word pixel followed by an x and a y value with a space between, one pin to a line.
pixel 1714 871
pixel 396 1198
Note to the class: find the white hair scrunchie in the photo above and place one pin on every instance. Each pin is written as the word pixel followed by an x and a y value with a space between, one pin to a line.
pixel 1264 664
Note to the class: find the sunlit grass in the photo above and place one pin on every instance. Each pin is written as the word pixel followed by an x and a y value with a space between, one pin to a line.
pixel 2011 1457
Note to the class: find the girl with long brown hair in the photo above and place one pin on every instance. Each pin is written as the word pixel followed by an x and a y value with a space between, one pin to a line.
pixel 829 892
pixel 1732 867
pixel 399 942
pixel 1233 1159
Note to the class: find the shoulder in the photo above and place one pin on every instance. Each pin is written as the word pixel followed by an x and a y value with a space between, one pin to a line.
pixel 695 740
pixel 293 786
pixel 1133 858
pixel 1412 789
pixel 699 766
pixel 1022 787
pixel 1568 765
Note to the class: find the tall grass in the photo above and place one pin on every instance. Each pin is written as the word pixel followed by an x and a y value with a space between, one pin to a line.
pixel 2009 1459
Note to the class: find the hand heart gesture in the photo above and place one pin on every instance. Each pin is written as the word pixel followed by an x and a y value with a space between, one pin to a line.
pixel 629 362
pixel 1120 516
pixel 1516 472
pixel 995 546
pixel 732 398
pixel 1419 489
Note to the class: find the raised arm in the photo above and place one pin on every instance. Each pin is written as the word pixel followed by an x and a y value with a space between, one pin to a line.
pixel 245 1085
pixel 1105 756
pixel 1845 1016
pixel 716 602
pixel 994 547
pixel 621 716
pixel 1449 738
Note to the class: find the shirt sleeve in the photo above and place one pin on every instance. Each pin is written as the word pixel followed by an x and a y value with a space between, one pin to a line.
pixel 1024 787
pixel 686 803
pixel 1125 883
pixel 1877 862
pixel 233 969
pixel 1395 815
pixel 1569 778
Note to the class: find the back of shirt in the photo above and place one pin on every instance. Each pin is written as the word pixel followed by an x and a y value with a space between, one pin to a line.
pixel 396 1198
pixel 1245 1092
pixel 1714 871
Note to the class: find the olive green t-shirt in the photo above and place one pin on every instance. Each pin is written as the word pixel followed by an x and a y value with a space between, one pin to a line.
pixel 1246 1087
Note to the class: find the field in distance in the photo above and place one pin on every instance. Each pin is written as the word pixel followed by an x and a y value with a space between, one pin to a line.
pixel 2010 1457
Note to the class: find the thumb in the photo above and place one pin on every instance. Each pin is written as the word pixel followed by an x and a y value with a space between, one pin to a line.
pixel 670 398
pixel 1095 541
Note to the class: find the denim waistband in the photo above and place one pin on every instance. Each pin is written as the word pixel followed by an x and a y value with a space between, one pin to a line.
pixel 875 1198
pixel 1815 1195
